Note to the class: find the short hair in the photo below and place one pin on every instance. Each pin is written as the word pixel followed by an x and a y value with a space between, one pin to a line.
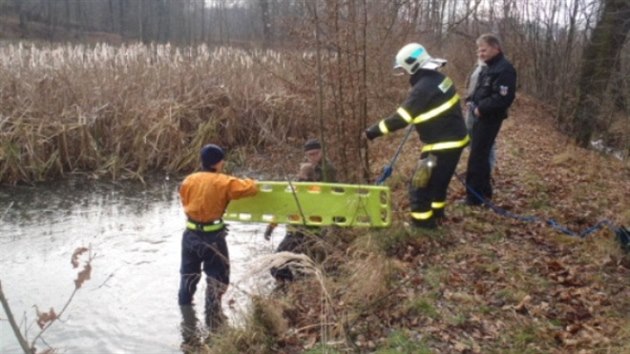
pixel 490 39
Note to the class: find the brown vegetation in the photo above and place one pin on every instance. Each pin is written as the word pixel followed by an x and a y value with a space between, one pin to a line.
pixel 127 111
pixel 483 283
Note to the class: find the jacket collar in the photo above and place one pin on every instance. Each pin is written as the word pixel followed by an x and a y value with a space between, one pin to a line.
pixel 413 79
pixel 495 59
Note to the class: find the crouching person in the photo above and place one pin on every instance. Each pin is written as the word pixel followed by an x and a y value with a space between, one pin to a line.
pixel 303 239
pixel 204 197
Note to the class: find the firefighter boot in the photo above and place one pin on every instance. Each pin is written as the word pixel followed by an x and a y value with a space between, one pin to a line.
pixel 439 216
pixel 427 224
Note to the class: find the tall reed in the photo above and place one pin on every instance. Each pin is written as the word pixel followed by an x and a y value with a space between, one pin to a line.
pixel 125 111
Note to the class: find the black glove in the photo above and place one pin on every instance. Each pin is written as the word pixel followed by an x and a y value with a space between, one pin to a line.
pixel 372 132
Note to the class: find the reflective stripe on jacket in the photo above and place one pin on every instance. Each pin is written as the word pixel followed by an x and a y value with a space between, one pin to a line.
pixel 433 106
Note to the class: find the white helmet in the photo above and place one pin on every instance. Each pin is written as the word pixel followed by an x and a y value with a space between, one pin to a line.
pixel 413 56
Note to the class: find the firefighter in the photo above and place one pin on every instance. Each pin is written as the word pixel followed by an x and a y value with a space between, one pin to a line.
pixel 489 102
pixel 204 196
pixel 433 107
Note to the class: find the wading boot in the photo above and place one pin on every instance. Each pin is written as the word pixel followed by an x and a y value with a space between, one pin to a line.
pixel 190 338
pixel 215 318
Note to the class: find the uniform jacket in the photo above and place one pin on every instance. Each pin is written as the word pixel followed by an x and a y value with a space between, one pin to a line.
pixel 431 90
pixel 205 195
pixel 495 89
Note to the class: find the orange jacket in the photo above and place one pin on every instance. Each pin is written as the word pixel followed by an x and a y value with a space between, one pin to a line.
pixel 205 195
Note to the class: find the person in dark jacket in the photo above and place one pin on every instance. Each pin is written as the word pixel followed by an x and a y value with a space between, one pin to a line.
pixel 489 102
pixel 204 196
pixel 469 115
pixel 433 107
pixel 302 239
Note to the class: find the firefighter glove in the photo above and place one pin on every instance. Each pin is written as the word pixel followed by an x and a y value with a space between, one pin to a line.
pixel 372 132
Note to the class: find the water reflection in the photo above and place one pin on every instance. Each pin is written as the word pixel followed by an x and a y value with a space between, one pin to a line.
pixel 130 304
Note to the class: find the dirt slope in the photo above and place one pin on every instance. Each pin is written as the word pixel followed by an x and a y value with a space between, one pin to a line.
pixel 484 283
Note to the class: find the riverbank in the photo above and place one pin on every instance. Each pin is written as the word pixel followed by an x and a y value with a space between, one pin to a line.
pixel 483 283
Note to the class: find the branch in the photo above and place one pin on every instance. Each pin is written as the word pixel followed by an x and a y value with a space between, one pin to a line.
pixel 14 325
pixel 82 276
pixel 54 319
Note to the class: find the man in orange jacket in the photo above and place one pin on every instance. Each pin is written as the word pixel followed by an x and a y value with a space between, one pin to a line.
pixel 204 196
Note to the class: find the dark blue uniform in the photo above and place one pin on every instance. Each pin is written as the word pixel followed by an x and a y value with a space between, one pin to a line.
pixel 492 96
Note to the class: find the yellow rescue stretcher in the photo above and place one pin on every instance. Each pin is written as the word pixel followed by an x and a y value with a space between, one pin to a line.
pixel 315 204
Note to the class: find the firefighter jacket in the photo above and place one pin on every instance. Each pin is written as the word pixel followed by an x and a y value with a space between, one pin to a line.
pixel 495 89
pixel 433 107
pixel 205 195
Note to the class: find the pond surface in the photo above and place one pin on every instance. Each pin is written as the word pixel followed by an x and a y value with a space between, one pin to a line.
pixel 134 231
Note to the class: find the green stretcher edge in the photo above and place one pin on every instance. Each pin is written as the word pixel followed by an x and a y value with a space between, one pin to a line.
pixel 314 204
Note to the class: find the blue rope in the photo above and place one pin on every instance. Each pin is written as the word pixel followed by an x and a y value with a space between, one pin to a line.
pixel 550 222
pixel 619 231
pixel 387 170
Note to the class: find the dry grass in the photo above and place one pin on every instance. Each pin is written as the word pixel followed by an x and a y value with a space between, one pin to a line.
pixel 125 111
pixel 483 283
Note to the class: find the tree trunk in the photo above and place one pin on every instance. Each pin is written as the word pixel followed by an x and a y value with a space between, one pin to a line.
pixel 22 14
pixel 204 37
pixel 266 23
pixel 598 62
pixel 121 28
pixel 50 20
pixel 363 100
pixel 141 20
pixel 564 79
pixel 112 16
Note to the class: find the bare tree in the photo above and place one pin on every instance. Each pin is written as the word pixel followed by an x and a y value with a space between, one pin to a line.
pixel 266 21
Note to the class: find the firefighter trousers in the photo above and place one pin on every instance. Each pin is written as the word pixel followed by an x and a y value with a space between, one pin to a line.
pixel 427 203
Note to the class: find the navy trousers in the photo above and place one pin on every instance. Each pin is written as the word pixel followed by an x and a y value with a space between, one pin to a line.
pixel 484 133
pixel 208 250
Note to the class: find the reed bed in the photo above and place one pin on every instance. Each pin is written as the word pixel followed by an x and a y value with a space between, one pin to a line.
pixel 130 110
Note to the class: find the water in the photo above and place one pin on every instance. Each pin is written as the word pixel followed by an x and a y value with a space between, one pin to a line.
pixel 134 231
